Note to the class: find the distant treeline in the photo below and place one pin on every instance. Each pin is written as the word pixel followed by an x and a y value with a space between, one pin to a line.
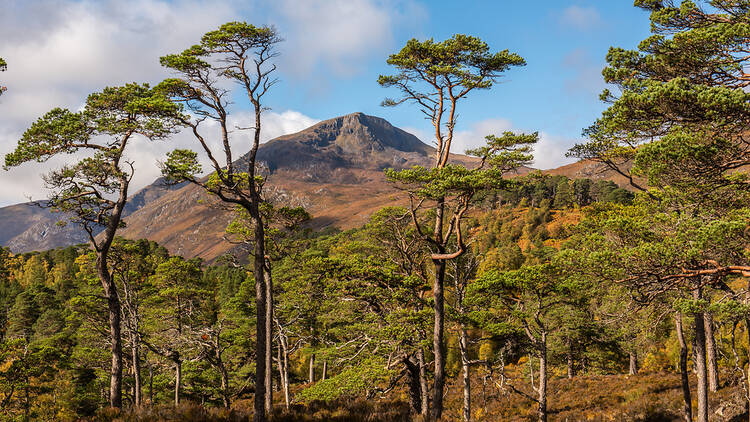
pixel 559 192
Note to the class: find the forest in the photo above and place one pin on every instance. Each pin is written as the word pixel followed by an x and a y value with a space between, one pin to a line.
pixel 492 292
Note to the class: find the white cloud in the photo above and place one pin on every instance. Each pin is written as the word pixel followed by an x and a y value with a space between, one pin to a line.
pixel 549 152
pixel 581 18
pixel 340 35
pixel 474 136
pixel 146 154
pixel 60 51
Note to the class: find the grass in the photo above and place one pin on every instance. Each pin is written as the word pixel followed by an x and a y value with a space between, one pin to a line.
pixel 648 398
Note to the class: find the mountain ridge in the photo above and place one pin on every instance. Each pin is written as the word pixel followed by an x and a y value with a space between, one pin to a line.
pixel 334 169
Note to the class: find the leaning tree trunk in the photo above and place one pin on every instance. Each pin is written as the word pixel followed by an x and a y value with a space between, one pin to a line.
pixel 633 363
pixel 269 337
pixel 687 407
pixel 324 375
pixel 713 369
pixel 700 361
pixel 465 373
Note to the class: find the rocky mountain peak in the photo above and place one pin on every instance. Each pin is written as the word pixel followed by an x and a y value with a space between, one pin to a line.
pixel 352 141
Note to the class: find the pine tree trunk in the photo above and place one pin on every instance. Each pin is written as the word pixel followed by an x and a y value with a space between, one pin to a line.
pixel 437 340
pixel 423 383
pixel 226 400
pixel 150 384
pixel 687 407
pixel 324 375
pixel 531 371
pixel 283 357
pixel 412 381
pixel 633 363
pixel 115 337
pixel 542 390
pixel 713 369
pixel 465 374
pixel 259 258
pixel 137 388
pixel 269 338
pixel 311 370
pixel 700 361
pixel 286 380
pixel 571 365
pixel 177 381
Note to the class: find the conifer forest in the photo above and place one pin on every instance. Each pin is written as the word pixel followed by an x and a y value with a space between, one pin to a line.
pixel 471 286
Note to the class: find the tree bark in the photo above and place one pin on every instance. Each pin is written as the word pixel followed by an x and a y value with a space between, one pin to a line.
pixel 437 339
pixel 412 380
pixel 633 363
pixel 283 356
pixel 226 400
pixel 700 361
pixel 571 365
pixel 115 337
pixel 324 375
pixel 137 388
pixel 423 383
pixel 713 369
pixel 110 290
pixel 150 384
pixel 177 381
pixel 259 259
pixel 687 406
pixel 311 369
pixel 465 374
pixel 269 338
pixel 542 390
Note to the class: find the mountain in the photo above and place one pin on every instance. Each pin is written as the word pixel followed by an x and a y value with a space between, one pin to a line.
pixel 32 227
pixel 588 169
pixel 334 169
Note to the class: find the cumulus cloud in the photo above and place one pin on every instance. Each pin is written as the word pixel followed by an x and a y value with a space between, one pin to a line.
pixel 579 17
pixel 340 35
pixel 474 136
pixel 147 154
pixel 549 152
pixel 58 51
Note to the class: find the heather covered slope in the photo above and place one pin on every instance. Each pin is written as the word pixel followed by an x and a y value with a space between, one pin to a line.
pixel 333 169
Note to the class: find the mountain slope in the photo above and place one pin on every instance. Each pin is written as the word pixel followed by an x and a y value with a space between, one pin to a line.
pixel 334 169
pixel 31 227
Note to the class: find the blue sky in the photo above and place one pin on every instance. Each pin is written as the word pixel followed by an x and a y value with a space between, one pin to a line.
pixel 563 42
pixel 59 51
